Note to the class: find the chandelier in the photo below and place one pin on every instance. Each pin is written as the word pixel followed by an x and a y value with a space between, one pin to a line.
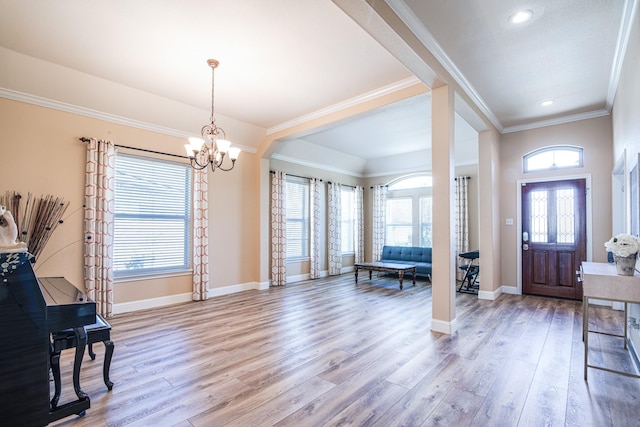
pixel 213 147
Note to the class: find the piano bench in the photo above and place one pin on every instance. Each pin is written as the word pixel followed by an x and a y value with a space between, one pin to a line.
pixel 98 332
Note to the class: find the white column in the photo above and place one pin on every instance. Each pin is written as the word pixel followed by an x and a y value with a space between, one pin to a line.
pixel 443 144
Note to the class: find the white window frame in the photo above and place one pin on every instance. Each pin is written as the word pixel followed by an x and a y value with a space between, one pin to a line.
pixel 555 150
pixel 348 219
pixel 152 217
pixel 415 187
pixel 304 219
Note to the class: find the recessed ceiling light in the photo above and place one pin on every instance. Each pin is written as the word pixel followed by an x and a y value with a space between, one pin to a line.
pixel 547 102
pixel 521 16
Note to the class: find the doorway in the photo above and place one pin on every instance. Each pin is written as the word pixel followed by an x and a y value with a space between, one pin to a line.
pixel 554 237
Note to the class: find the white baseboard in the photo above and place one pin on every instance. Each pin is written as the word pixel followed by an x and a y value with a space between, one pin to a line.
pixel 126 307
pixel 511 290
pixel 444 327
pixel 232 289
pixel 307 276
pixel 489 295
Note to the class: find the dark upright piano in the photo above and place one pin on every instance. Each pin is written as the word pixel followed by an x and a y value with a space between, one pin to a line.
pixel 29 312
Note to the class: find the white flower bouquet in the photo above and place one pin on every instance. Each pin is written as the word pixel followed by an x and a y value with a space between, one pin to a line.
pixel 623 245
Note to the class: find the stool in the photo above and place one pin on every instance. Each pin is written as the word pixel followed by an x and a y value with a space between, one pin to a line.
pixel 99 331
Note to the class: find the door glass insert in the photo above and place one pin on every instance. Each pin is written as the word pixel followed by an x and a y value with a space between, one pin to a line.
pixel 539 221
pixel 565 216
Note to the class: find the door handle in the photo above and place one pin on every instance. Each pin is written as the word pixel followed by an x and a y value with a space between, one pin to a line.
pixel 525 247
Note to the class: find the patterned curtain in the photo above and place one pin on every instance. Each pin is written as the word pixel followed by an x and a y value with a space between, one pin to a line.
pixel 462 221
pixel 379 220
pixel 98 224
pixel 200 235
pixel 314 250
pixel 278 229
pixel 359 225
pixel 334 238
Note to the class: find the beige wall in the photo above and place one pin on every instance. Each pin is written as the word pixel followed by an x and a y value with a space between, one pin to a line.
pixel 626 128
pixel 41 154
pixel 595 136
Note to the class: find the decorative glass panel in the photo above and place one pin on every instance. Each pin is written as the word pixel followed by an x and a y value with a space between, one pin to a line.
pixel 565 202
pixel 539 227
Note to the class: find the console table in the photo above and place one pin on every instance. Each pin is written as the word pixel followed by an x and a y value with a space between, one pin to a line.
pixel 601 281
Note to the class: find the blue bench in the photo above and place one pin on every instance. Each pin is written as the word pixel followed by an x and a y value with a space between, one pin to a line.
pixel 419 256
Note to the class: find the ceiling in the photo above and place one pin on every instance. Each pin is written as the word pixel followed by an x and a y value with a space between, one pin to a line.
pixel 283 60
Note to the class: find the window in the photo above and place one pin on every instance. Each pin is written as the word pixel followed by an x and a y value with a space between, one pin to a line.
pixel 152 216
pixel 553 158
pixel 347 231
pixel 297 219
pixel 426 229
pixel 399 224
pixel 409 217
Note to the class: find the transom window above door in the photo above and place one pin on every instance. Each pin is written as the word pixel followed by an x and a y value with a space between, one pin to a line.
pixel 556 157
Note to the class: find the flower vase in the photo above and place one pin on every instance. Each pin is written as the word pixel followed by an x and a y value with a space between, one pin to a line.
pixel 625 265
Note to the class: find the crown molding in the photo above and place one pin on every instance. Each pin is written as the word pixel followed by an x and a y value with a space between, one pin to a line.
pixel 628 12
pixel 426 38
pixel 315 165
pixel 558 121
pixel 360 99
pixel 87 112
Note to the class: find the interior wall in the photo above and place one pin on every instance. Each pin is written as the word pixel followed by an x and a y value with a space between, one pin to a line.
pixel 595 136
pixel 626 134
pixel 299 269
pixel 41 154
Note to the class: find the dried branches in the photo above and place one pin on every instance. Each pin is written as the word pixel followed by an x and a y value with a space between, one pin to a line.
pixel 36 218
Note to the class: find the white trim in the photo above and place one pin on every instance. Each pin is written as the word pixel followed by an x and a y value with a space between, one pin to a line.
pixel 314 165
pixel 126 307
pixel 589 214
pixel 426 38
pixel 490 295
pixel 444 327
pixel 557 121
pixel 628 12
pixel 510 290
pixel 360 99
pixel 87 112
pixel 233 289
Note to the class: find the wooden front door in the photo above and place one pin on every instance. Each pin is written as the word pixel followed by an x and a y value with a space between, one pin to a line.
pixel 554 242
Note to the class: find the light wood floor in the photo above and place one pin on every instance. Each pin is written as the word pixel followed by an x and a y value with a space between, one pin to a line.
pixel 329 353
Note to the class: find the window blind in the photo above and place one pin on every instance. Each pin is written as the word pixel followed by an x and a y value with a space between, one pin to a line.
pixel 152 216
pixel 297 219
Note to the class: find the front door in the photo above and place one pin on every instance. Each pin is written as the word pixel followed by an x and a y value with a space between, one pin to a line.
pixel 554 242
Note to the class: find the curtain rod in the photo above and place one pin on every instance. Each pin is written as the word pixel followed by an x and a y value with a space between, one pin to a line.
pixel 463 177
pixel 344 185
pixel 297 176
pixel 386 186
pixel 83 139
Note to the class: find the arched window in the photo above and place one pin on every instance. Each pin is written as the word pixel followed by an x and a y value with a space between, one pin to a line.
pixel 408 220
pixel 557 157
